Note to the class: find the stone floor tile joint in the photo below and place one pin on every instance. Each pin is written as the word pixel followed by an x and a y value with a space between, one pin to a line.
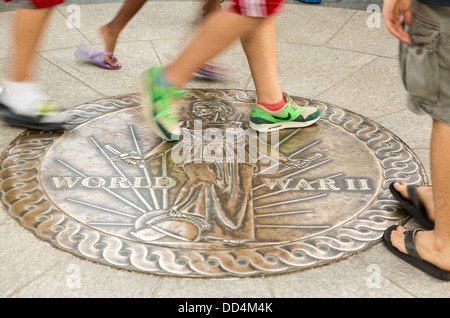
pixel 340 28
pixel 344 78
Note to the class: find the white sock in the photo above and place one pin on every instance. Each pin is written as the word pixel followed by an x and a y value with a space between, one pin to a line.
pixel 22 97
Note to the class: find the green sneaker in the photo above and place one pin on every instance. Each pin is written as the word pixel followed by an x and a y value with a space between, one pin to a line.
pixel 290 116
pixel 160 105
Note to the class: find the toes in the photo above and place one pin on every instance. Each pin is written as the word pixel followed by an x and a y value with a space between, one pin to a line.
pixel 402 188
pixel 398 238
pixel 111 62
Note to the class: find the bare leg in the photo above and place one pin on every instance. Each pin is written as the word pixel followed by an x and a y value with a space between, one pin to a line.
pixel 218 31
pixel 440 158
pixel 28 27
pixel 434 246
pixel 210 6
pixel 260 49
pixel 110 31
pixel 23 103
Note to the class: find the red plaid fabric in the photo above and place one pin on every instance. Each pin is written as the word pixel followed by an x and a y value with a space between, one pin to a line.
pixel 257 8
pixel 40 4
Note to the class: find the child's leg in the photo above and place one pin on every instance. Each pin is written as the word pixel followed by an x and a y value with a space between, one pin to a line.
pixel 159 87
pixel 218 31
pixel 211 6
pixel 27 30
pixel 111 30
pixel 260 49
pixel 22 102
pixel 251 21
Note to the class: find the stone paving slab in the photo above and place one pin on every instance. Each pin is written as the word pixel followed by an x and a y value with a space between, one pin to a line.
pixel 342 63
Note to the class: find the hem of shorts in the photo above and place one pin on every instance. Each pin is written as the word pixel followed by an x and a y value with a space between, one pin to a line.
pixel 234 9
pixel 35 4
pixel 435 117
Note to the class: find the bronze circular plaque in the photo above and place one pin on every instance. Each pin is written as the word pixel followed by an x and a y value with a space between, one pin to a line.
pixel 223 201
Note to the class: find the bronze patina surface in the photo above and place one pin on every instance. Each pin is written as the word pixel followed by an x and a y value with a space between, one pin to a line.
pixel 222 202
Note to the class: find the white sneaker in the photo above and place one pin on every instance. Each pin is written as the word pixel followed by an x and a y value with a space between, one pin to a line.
pixel 24 104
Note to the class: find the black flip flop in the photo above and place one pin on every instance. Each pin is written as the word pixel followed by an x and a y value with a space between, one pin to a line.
pixel 413 206
pixel 413 257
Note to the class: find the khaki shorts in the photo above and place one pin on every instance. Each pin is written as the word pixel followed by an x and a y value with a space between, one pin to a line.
pixel 425 65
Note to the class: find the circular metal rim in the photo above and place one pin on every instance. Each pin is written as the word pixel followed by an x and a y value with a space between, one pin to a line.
pixel 19 186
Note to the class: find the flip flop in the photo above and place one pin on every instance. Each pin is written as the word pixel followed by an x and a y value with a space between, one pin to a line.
pixel 413 205
pixel 88 55
pixel 413 257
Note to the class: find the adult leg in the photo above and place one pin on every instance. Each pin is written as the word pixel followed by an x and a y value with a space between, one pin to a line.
pixel 434 246
pixel 440 174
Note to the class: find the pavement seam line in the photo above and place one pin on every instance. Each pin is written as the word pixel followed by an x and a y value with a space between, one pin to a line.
pixel 345 77
pixel 37 277
pixel 156 52
pixel 388 279
pixel 339 29
pixel 66 72
pixel 77 29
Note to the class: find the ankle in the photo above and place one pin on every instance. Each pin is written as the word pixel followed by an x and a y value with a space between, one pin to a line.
pixel 172 78
pixel 19 86
pixel 274 106
pixel 442 245
pixel 22 97
pixel 20 77
pixel 112 29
